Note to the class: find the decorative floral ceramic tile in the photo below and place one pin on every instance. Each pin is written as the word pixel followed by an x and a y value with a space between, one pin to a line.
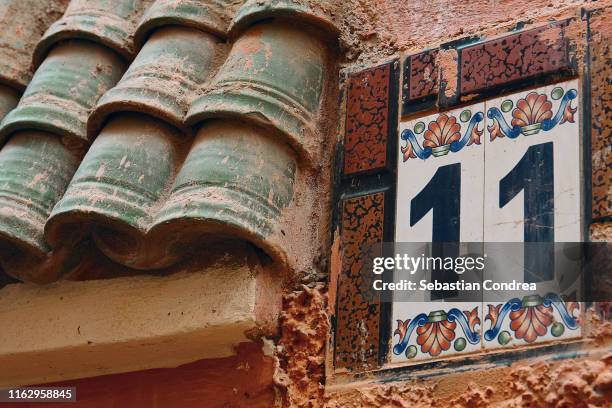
pixel 440 177
pixel 530 319
pixel 532 194
pixel 506 170
pixel 438 154
pixel 432 330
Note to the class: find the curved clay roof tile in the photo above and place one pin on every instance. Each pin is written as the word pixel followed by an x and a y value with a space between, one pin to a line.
pixel 316 13
pixel 118 186
pixel 163 79
pixel 275 76
pixel 35 168
pixel 64 89
pixel 23 23
pixel 145 195
pixel 108 22
pixel 179 53
pixel 212 16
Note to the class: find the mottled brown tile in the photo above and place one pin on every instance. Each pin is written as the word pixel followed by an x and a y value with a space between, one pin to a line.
pixel 518 56
pixel 420 85
pixel 422 78
pixel 601 111
pixel 357 329
pixel 367 120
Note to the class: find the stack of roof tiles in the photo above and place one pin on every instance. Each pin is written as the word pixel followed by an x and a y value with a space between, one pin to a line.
pixel 143 136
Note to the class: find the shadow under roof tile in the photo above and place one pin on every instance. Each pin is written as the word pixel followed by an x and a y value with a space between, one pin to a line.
pixel 35 168
pixel 108 22
pixel 9 97
pixel 23 23
pixel 116 190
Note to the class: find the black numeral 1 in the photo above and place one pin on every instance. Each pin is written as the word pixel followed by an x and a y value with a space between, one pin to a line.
pixel 534 175
pixel 442 195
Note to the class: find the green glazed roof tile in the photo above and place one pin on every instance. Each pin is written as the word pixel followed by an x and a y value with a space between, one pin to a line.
pixel 35 168
pixel 64 89
pixel 147 193
pixel 163 79
pixel 109 22
pixel 317 13
pixel 212 16
pixel 235 182
pixel 266 80
pixel 121 179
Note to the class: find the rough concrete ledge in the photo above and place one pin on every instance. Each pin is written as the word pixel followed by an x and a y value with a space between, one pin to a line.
pixel 73 330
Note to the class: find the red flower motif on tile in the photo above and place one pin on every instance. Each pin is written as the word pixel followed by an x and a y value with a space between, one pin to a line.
pixel 408 151
pixel 568 114
pixel 435 337
pixel 472 318
pixel 534 108
pixel 530 322
pixel 402 328
pixel 443 131
pixel 493 314
pixel 475 136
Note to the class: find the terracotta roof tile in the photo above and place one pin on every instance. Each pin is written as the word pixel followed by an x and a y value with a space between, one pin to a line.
pixel 147 192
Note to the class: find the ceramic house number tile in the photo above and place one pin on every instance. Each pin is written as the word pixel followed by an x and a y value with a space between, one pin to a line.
pixel 505 170
pixel 440 183
pixel 441 168
pixel 532 193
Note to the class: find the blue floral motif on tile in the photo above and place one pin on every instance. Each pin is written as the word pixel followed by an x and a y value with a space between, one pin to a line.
pixel 530 318
pixel 442 135
pixel 531 114
pixel 436 332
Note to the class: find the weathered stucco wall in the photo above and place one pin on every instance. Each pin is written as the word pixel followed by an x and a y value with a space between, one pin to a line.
pixel 572 383
pixel 295 368
pixel 376 33
pixel 580 375
pixel 243 380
